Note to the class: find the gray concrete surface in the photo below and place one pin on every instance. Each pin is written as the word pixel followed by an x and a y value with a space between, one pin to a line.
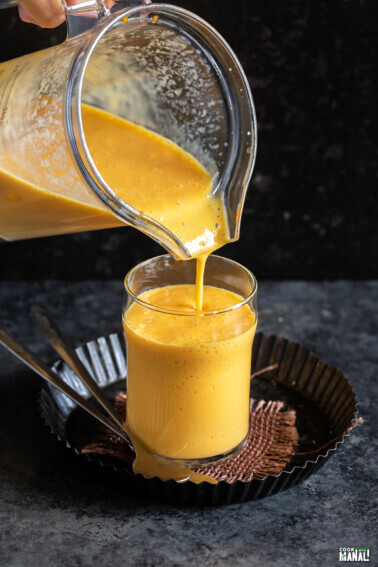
pixel 57 511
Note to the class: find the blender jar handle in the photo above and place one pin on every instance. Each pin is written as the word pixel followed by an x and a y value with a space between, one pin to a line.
pixel 83 16
pixel 80 17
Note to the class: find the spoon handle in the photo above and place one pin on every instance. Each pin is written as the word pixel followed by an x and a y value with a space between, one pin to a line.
pixel 33 362
pixel 62 345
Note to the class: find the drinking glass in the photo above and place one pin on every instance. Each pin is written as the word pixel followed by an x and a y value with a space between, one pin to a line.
pixel 188 372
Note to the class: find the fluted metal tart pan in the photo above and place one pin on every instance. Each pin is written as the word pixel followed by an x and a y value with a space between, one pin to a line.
pixel 321 395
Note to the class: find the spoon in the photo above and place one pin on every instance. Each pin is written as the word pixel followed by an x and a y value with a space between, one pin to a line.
pixel 144 461
pixel 63 347
pixel 33 362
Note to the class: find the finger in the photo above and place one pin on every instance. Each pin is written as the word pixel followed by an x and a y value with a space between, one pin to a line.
pixel 25 16
pixel 44 13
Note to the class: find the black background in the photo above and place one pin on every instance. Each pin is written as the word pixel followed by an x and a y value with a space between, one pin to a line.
pixel 311 207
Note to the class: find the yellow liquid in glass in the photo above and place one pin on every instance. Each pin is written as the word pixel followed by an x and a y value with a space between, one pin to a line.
pixel 189 375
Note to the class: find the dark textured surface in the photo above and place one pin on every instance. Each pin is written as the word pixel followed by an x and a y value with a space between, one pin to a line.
pixel 310 211
pixel 58 511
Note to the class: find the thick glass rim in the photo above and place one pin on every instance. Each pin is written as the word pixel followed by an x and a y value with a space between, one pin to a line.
pixel 140 301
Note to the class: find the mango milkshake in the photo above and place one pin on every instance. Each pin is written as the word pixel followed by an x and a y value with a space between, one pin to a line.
pixel 189 371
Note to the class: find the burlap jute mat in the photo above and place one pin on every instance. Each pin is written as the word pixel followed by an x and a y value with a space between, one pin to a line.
pixel 271 440
pixel 270 444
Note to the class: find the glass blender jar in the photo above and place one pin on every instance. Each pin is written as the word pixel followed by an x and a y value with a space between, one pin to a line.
pixel 156 65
